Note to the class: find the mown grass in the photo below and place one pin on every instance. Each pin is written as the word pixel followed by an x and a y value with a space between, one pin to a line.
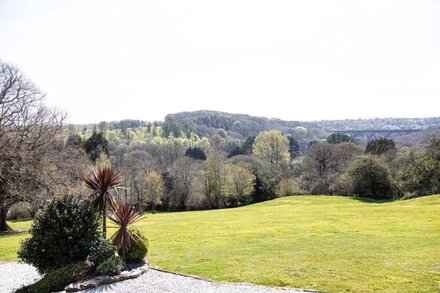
pixel 326 243
pixel 9 243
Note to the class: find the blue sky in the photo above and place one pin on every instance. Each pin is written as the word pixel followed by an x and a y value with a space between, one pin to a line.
pixel 295 60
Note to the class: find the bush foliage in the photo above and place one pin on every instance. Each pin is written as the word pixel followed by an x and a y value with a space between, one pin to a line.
pixel 290 186
pixel 370 178
pixel 380 146
pixel 100 251
pixel 56 279
pixel 113 265
pixel 139 248
pixel 61 234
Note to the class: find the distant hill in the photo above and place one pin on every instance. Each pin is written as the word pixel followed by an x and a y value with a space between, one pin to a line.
pixel 417 139
pixel 235 125
pixel 240 125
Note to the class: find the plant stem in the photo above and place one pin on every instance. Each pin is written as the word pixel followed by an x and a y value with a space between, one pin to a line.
pixel 104 220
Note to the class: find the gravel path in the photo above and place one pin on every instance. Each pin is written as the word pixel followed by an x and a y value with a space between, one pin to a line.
pixel 158 282
pixel 15 275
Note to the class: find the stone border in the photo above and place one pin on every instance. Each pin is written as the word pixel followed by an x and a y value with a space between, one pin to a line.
pixel 105 280
pixel 137 272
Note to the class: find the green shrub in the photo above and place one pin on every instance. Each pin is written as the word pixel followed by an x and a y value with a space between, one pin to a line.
pixel 380 146
pixel 370 178
pixel 113 265
pixel 290 186
pixel 342 184
pixel 61 234
pixel 139 249
pixel 57 279
pixel 100 251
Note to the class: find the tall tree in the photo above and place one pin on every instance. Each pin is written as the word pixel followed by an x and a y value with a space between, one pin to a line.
pixel 74 140
pixel 136 163
pixel 273 147
pixel 319 166
pixel 322 156
pixel 336 138
pixel 240 185
pixel 294 148
pixel 345 153
pixel 95 145
pixel 422 172
pixel 215 175
pixel 370 177
pixel 27 131
pixel 183 172
pixel 380 146
pixel 248 145
pixel 195 153
pixel 154 189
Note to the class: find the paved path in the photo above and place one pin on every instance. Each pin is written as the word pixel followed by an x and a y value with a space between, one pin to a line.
pixel 14 275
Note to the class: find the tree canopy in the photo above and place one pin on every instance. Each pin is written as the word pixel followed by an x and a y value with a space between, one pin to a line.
pixel 273 147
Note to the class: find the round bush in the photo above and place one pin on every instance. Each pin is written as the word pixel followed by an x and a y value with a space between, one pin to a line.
pixel 100 251
pixel 139 249
pixel 61 234
pixel 370 178
pixel 113 265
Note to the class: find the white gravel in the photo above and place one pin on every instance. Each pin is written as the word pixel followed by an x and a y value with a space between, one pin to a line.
pixel 15 275
pixel 158 282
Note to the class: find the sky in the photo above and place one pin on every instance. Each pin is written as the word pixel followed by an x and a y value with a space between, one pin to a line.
pixel 294 60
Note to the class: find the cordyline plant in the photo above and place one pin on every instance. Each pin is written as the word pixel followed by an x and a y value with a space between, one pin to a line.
pixel 124 215
pixel 102 181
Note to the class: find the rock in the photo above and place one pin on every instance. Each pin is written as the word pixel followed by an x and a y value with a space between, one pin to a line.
pixel 105 280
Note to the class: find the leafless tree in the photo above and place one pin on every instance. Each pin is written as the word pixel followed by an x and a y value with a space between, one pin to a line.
pixel 184 172
pixel 27 131
pixel 136 165
pixel 319 168
pixel 322 157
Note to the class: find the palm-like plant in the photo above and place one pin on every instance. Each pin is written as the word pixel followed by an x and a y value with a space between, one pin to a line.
pixel 102 181
pixel 124 215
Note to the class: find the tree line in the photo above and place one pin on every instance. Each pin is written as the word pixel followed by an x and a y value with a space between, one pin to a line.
pixel 179 175
pixel 162 170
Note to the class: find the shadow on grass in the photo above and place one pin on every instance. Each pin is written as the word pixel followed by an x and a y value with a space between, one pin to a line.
pixel 13 232
pixel 371 200
pixel 20 220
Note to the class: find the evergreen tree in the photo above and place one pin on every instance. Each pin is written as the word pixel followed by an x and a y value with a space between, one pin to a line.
pixel 96 145
pixel 380 146
pixel 195 153
pixel 337 138
pixel 294 148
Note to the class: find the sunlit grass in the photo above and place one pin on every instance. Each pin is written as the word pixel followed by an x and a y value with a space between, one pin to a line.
pixel 326 243
pixel 9 243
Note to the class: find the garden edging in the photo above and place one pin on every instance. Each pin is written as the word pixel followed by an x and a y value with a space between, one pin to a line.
pixel 105 280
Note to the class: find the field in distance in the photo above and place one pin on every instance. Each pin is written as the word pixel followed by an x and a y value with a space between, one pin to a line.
pixel 326 243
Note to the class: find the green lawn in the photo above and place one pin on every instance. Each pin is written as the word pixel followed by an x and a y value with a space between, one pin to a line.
pixel 326 243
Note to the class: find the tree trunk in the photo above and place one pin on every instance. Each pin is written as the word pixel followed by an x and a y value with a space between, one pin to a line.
pixel 4 227
pixel 153 207
pixel 104 221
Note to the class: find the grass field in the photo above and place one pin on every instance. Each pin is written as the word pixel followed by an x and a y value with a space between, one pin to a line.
pixel 326 243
